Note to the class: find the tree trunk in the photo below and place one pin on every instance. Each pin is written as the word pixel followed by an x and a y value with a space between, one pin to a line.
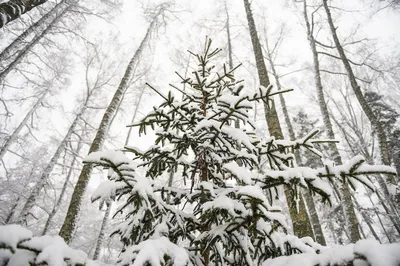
pixel 390 209
pixel 13 9
pixel 366 219
pixel 315 223
pixel 63 191
pixel 271 115
pixel 12 211
pixel 80 187
pixel 134 117
pixel 24 52
pixel 11 139
pixel 301 223
pixel 13 47
pixel 376 125
pixel 44 177
pixel 347 203
pixel 100 239
pixel 230 58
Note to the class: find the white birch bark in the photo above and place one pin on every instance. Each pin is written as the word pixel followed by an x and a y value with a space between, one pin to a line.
pixel 80 187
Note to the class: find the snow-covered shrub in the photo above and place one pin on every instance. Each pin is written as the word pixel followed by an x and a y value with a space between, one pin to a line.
pixel 362 253
pixel 19 248
pixel 224 214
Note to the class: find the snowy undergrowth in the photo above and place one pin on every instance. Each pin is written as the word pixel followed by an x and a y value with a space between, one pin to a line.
pixel 19 248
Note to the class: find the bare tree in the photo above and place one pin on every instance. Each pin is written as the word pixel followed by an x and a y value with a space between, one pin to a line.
pixel 344 191
pixel 300 219
pixel 61 147
pixel 381 135
pixel 22 53
pixel 103 226
pixel 270 55
pixel 13 9
pixel 80 187
pixel 11 139
pixel 16 44
pixel 68 176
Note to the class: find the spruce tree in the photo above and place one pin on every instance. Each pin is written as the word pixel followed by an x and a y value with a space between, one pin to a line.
pixel 224 214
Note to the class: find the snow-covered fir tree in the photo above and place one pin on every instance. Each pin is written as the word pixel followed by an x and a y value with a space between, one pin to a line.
pixel 224 214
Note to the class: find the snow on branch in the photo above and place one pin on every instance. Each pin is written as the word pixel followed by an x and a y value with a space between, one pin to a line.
pixel 159 251
pixel 317 180
pixel 18 247
pixel 364 252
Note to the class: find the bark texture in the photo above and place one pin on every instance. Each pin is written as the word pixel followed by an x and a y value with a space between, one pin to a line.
pixel 83 179
pixel 313 215
pixel 100 239
pixel 301 223
pixel 44 177
pixel 28 47
pixel 56 207
pixel 13 9
pixel 376 125
pixel 347 204
pixel 13 47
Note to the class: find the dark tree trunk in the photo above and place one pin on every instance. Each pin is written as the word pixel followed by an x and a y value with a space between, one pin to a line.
pixel 13 47
pixel 80 187
pixel 344 191
pixel 28 47
pixel 382 140
pixel 301 222
pixel 13 9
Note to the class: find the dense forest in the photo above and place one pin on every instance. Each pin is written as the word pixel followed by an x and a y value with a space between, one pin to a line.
pixel 215 132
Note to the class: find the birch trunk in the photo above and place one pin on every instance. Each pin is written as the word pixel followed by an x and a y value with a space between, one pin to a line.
pixel 388 205
pixel 50 166
pixel 11 139
pixel 230 58
pixel 13 47
pixel 366 219
pixel 24 52
pixel 301 223
pixel 315 222
pixel 13 9
pixel 100 239
pixel 80 187
pixel 12 211
pixel 375 123
pixel 345 194
pixel 44 177
pixel 63 191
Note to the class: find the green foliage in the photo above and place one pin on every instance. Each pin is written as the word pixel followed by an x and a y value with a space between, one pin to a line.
pixel 222 213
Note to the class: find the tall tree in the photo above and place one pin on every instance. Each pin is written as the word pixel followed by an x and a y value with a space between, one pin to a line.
pixel 80 187
pixel 12 138
pixel 300 219
pixel 210 221
pixel 316 225
pixel 375 123
pixel 63 191
pixel 35 28
pixel 13 9
pixel 347 202
pixel 20 54
pixel 100 238
pixel 44 177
